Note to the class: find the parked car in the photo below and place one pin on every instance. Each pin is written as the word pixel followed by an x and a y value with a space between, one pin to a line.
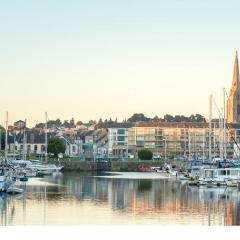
pixel 156 156
pixel 130 156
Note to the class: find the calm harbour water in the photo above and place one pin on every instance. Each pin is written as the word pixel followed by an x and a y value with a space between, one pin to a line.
pixel 76 199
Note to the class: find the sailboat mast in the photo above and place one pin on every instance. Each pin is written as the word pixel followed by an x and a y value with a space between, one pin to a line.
pixel 189 144
pixel 6 137
pixel 210 128
pixel 224 125
pixel 24 142
pixel 203 146
pixel 214 139
pixel 221 136
pixel 46 138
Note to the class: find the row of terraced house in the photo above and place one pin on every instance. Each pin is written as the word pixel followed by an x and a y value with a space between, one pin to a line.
pixel 182 140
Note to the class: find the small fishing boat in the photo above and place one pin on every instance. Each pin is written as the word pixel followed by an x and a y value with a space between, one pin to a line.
pixel 2 180
pixel 232 182
pixel 145 169
pixel 182 177
pixel 46 169
pixel 218 176
pixel 206 182
pixel 162 171
pixel 23 179
pixel 165 169
pixel 30 172
pixel 14 190
pixel 193 183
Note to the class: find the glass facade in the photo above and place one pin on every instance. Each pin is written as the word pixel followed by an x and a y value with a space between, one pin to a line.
pixel 183 142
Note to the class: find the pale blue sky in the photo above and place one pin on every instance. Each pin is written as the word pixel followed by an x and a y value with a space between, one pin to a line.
pixel 92 59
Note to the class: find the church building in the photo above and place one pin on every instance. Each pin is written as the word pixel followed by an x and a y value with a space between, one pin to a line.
pixel 233 102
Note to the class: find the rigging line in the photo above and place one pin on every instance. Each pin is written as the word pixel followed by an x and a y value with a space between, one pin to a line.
pixel 219 112
pixel 220 115
pixel 226 93
pixel 232 137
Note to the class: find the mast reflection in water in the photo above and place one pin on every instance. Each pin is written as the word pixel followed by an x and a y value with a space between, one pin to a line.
pixel 75 199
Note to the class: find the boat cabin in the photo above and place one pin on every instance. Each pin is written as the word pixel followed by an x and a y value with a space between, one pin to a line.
pixel 220 173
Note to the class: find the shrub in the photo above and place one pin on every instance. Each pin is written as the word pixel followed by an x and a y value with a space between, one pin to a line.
pixel 145 154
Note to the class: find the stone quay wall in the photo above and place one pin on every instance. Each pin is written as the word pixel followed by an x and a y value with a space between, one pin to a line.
pixel 124 166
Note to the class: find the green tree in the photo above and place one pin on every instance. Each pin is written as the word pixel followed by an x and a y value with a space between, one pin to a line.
pixel 72 122
pixel 92 122
pixel 100 121
pixel 138 117
pixel 156 119
pixel 79 123
pixel 168 118
pixel 56 145
pixel 200 118
pixel 53 123
pixel 40 125
pixel 145 154
pixel 50 124
pixel 58 122
pixel 110 120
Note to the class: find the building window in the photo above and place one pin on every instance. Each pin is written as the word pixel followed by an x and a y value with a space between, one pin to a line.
pixel 121 131
pixel 120 138
pixel 223 172
pixel 238 109
pixel 35 147
pixel 140 143
pixel 209 174
pixel 234 172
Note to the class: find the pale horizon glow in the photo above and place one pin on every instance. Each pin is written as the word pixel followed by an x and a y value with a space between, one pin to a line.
pixel 101 59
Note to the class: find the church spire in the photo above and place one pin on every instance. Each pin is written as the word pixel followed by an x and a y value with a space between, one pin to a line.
pixel 236 72
pixel 233 102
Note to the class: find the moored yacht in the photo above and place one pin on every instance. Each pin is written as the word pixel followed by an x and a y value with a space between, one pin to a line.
pixel 232 182
pixel 218 176
pixel 45 169
pixel 2 179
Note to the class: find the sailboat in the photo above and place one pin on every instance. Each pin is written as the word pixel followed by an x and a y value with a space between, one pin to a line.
pixel 225 172
pixel 45 169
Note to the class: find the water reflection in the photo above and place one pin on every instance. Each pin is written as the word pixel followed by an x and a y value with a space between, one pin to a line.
pixel 73 199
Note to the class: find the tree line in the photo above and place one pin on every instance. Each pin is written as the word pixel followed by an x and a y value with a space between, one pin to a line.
pixel 136 117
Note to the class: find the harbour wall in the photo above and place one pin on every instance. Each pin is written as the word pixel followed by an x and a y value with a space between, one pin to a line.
pixel 125 166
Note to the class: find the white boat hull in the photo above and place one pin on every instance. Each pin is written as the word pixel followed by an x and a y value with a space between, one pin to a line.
pixel 232 183
pixel 14 190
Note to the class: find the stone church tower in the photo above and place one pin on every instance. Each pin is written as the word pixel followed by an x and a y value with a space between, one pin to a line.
pixel 233 102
